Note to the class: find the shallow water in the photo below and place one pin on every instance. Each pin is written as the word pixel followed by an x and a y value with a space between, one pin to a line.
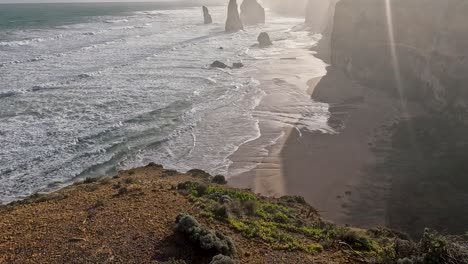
pixel 117 91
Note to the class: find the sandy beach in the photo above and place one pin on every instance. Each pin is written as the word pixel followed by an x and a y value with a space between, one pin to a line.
pixel 329 168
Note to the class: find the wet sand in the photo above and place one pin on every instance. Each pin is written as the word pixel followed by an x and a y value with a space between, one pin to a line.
pixel 266 176
pixel 329 170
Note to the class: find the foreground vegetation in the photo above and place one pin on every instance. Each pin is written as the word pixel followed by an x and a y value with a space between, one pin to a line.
pixel 289 223
pixel 153 215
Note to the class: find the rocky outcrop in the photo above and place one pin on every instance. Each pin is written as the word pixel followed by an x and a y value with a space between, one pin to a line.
pixel 415 52
pixel 264 40
pixel 222 65
pixel 218 64
pixel 233 22
pixel 206 16
pixel 252 12
pixel 237 65
pixel 415 49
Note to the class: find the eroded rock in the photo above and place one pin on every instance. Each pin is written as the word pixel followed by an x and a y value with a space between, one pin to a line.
pixel 252 12
pixel 264 40
pixel 233 22
pixel 206 15
pixel 218 64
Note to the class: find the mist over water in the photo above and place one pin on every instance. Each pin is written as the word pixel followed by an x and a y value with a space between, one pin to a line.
pixel 103 92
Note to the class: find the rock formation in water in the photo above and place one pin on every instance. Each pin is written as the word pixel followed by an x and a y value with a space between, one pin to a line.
pixel 233 22
pixel 252 12
pixel 414 47
pixel 218 64
pixel 264 40
pixel 237 65
pixel 206 15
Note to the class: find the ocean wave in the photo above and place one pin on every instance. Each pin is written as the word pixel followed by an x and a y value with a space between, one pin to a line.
pixel 89 74
pixel 133 27
pixel 151 13
pixel 114 21
pixel 35 59
pixel 27 42
pixel 101 45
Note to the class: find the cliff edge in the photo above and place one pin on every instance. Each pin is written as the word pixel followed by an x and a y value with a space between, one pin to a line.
pixel 153 215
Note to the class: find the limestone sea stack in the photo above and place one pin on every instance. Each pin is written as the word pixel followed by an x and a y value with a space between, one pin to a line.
pixel 233 22
pixel 264 40
pixel 206 15
pixel 252 12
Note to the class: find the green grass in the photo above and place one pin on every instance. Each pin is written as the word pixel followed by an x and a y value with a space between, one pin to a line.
pixel 281 223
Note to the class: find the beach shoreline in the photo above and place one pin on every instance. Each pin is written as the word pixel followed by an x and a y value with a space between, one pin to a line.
pixel 330 170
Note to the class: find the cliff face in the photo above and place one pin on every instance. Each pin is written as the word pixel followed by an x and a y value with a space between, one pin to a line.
pixel 430 43
pixel 319 15
pixel 413 50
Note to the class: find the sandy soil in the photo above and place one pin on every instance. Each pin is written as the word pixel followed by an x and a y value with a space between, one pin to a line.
pixel 127 219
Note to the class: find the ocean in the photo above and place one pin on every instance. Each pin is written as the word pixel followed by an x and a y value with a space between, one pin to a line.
pixel 90 89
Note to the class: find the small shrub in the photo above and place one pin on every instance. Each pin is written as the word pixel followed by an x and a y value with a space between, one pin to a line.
pixel 221 259
pixel 175 261
pixel 221 212
pixel 219 191
pixel 250 207
pixel 98 203
pixel 219 179
pixel 170 173
pixel 294 199
pixel 154 165
pixel 90 180
pixel 405 261
pixel 204 238
pixel 130 180
pixel 404 248
pixel 235 208
pixel 201 189
pixel 105 180
pixel 199 173
pixel 122 191
pixel 357 241
pixel 188 185
pixel 433 247
pixel 280 217
pixel 91 188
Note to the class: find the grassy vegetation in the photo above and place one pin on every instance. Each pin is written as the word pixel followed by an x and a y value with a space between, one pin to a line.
pixel 289 223
pixel 284 223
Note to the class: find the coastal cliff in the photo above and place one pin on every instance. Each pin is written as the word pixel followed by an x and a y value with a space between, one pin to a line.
pixel 415 49
pixel 398 94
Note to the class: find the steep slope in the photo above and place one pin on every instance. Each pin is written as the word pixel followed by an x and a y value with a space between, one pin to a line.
pixel 131 219
pixel 413 55
pixel 415 49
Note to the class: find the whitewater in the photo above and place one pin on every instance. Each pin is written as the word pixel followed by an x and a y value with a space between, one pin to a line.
pixel 113 92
